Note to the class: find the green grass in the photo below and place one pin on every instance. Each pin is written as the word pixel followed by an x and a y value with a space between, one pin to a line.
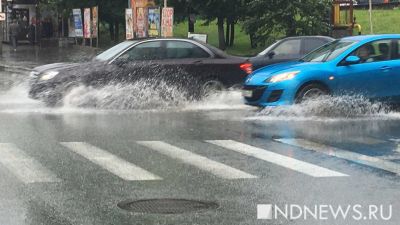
pixel 242 41
pixel 385 21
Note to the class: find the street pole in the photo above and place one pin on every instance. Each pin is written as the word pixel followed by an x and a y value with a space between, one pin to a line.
pixel 165 3
pixel 370 16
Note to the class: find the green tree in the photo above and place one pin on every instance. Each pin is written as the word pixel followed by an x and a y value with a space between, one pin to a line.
pixel 268 19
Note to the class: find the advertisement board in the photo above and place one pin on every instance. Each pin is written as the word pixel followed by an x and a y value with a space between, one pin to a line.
pixel 198 37
pixel 78 22
pixel 87 23
pixel 141 22
pixel 154 22
pixel 95 21
pixel 167 22
pixel 129 23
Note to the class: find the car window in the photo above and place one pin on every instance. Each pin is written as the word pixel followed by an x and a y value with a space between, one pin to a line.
pixel 397 56
pixel 146 51
pixel 265 51
pixel 184 50
pixel 114 51
pixel 289 47
pixel 374 51
pixel 311 44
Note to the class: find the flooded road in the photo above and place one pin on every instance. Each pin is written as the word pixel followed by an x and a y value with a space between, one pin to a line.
pixel 74 164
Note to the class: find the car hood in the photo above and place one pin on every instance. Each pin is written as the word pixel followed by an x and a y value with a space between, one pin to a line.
pixel 54 66
pixel 260 75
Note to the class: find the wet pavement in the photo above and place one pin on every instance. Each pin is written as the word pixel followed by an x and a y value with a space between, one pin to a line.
pixel 72 165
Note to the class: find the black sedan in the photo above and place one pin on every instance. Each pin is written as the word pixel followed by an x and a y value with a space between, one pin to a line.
pixel 288 49
pixel 194 67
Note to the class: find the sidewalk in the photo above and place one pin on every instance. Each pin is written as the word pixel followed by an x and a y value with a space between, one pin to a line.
pixel 29 56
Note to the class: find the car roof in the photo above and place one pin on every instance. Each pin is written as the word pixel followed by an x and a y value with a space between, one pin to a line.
pixel 214 50
pixel 370 37
pixel 309 37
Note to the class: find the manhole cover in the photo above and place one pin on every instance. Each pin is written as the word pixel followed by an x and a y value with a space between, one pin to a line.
pixel 166 206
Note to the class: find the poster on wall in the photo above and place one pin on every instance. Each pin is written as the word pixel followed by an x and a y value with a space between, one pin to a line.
pixel 154 22
pixel 141 3
pixel 167 22
pixel 129 23
pixel 95 21
pixel 87 23
pixel 141 20
pixel 78 22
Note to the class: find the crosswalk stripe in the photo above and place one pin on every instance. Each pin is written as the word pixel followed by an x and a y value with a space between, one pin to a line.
pixel 110 162
pixel 24 167
pixel 343 154
pixel 201 162
pixel 281 160
pixel 367 140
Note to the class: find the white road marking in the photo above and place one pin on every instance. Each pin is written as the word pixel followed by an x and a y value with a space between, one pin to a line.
pixel 281 160
pixel 343 154
pixel 24 167
pixel 110 162
pixel 201 162
pixel 367 140
pixel 395 140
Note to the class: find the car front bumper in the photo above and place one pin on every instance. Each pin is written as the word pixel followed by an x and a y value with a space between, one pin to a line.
pixel 269 94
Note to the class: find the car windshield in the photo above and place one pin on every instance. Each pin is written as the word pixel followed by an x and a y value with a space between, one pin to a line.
pixel 328 52
pixel 113 51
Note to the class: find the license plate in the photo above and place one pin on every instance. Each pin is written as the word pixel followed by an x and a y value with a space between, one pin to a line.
pixel 247 93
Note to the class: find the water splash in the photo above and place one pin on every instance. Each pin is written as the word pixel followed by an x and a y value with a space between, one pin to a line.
pixel 327 107
pixel 139 95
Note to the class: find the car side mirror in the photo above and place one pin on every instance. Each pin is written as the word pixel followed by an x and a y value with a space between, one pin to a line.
pixel 271 54
pixel 352 60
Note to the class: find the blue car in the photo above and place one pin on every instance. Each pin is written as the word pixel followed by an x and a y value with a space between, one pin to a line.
pixel 363 65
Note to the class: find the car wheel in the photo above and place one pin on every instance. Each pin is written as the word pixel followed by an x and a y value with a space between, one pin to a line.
pixel 58 94
pixel 210 87
pixel 310 92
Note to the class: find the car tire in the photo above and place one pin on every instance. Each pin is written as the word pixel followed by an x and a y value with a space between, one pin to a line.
pixel 56 98
pixel 311 91
pixel 210 86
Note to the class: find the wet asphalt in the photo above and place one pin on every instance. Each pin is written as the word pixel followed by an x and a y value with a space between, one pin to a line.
pixel 87 193
pixel 45 182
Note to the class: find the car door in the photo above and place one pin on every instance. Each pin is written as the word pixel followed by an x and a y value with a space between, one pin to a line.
pixel 143 60
pixel 394 65
pixel 189 59
pixel 372 76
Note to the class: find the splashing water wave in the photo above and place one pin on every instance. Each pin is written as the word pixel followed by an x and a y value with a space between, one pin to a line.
pixel 336 107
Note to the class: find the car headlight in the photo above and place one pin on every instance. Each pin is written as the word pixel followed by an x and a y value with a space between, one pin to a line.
pixel 282 77
pixel 33 74
pixel 49 75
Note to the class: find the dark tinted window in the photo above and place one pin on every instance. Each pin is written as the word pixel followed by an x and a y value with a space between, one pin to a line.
pixel 312 44
pixel 184 50
pixel 146 51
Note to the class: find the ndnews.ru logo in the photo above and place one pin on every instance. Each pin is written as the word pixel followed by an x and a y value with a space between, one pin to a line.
pixel 324 212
